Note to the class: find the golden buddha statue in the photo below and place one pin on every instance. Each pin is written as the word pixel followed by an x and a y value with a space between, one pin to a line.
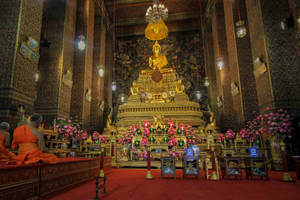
pixel 212 120
pixel 134 89
pixel 157 61
pixel 158 121
pixel 179 86
pixel 108 122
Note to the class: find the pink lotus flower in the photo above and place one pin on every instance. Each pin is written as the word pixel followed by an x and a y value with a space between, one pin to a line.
pixel 144 141
pixel 146 123
pixel 170 123
pixel 182 126
pixel 230 134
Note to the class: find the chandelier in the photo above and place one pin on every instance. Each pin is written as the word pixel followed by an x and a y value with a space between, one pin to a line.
pixel 156 12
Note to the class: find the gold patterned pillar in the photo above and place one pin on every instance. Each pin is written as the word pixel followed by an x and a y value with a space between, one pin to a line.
pixel 242 85
pixel 98 82
pixel 83 63
pixel 56 61
pixel 19 21
pixel 228 116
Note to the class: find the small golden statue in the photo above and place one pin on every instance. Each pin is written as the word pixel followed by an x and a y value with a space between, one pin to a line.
pixel 108 122
pixel 212 120
pixel 158 121
pixel 157 61
pixel 134 89
pixel 179 86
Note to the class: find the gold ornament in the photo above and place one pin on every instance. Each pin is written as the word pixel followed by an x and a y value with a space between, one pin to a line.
pixel 156 31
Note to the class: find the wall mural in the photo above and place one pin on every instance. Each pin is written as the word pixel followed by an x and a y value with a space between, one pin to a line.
pixel 183 50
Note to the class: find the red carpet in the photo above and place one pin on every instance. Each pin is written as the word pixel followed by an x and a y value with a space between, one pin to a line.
pixel 130 184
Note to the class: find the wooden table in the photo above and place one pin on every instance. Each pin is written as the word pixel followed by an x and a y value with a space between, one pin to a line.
pixel 231 167
pixel 168 166
pixel 256 167
pixel 190 166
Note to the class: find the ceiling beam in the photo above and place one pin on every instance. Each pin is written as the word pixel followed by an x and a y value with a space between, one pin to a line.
pixel 171 18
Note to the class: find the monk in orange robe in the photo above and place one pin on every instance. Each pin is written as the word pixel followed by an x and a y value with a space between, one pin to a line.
pixel 30 141
pixel 6 156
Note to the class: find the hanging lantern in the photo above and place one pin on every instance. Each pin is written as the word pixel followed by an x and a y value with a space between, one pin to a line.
pixel 100 70
pixel 123 98
pixel 241 30
pixel 196 96
pixel 206 82
pixel 81 43
pixel 114 86
pixel 220 63
pixel 36 76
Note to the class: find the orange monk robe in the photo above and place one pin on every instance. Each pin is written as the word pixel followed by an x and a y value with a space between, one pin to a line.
pixel 29 152
pixel 5 155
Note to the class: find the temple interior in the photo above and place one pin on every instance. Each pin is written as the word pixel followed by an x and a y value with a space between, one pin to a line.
pixel 149 99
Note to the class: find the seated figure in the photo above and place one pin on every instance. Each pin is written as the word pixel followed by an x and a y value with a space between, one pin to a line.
pixel 158 60
pixel 6 156
pixel 30 142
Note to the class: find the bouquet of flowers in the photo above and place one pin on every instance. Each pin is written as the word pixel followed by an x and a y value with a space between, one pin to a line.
pixel 221 138
pixel 102 138
pixel 146 132
pixel 270 122
pixel 144 141
pixel 182 126
pixel 171 131
pixel 173 141
pixel 126 137
pixel 244 133
pixel 170 123
pixel 68 128
pixel 230 134
pixel 147 124
pixel 96 135
pixel 84 135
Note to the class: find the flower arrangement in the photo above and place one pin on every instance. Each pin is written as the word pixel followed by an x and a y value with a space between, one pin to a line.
pixel 175 154
pixel 96 135
pixel 126 137
pixel 68 127
pixel 170 123
pixel 84 135
pixel 146 132
pixel 244 133
pixel 102 139
pixel 270 122
pixel 144 141
pixel 147 124
pixel 221 138
pixel 181 126
pixel 230 134
pixel 173 141
pixel 171 131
